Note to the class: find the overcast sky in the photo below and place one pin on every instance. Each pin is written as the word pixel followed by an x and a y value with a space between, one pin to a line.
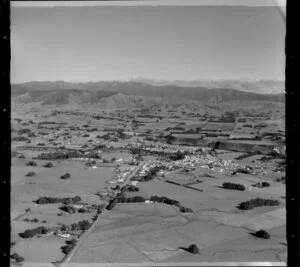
pixel 113 43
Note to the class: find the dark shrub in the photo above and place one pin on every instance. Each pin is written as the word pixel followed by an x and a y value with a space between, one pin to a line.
pixel 111 204
pixel 193 249
pixel 46 200
pixel 48 165
pixel 177 156
pixel 19 259
pixel 234 186
pixel 171 202
pixel 63 227
pixel 31 163
pixel 73 241
pixel 14 256
pixel 30 174
pixel 261 185
pixel 184 209
pixel 65 176
pixel 262 234
pixel 68 209
pixel 129 188
pixel 136 199
pixel 67 249
pixel 245 171
pixel 281 179
pixel 84 225
pixel 20 138
pixel 76 199
pixel 265 184
pixel 82 210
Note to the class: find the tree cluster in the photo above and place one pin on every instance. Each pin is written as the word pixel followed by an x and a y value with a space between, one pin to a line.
pixel 17 257
pixel 184 209
pixel 165 200
pixel 193 249
pixel 261 185
pixel 135 199
pixel 244 171
pixel 52 200
pixel 65 176
pixel 150 175
pixel 257 202
pixel 130 188
pixel 176 156
pixel 24 131
pixel 68 208
pixel 234 186
pixel 20 139
pixel 30 174
pixel 31 163
pixel 112 204
pixel 32 232
pixel 35 220
pixel 70 244
pixel 48 165
pixel 262 234
pixel 81 225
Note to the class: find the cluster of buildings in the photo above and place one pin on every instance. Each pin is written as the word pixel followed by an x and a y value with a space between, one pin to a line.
pixel 121 175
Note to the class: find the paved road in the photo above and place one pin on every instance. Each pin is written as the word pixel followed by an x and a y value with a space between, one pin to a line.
pixel 84 236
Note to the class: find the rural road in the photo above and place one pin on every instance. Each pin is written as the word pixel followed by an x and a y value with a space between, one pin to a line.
pixel 67 259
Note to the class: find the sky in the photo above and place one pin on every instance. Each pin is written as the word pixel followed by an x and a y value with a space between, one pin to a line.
pixel 94 43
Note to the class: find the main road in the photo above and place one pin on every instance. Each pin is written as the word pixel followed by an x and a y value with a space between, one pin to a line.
pixel 67 259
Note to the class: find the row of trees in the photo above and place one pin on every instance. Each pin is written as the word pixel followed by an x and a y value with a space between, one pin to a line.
pixel 120 198
pixel 261 185
pixel 257 202
pixel 81 225
pixel 130 188
pixel 53 200
pixel 88 209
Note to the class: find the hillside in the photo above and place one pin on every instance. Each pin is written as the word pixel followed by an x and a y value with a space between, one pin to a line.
pixel 202 94
pixel 154 99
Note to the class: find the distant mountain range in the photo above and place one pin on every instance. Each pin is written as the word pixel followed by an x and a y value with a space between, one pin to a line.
pixel 133 94
pixel 253 86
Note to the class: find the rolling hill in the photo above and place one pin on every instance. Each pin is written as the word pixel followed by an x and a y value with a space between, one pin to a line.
pixel 132 95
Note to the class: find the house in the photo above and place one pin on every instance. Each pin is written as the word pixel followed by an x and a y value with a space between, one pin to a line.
pixel 78 206
pixel 64 235
pixel 50 233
